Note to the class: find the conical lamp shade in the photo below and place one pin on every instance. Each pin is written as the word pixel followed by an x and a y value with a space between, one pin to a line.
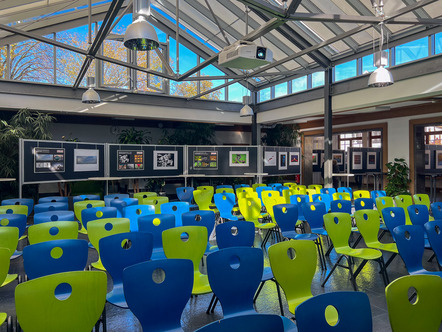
pixel 141 36
pixel 90 97
pixel 246 111
pixel 381 77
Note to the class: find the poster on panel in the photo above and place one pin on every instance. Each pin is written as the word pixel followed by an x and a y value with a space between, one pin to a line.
pixel 270 158
pixel 357 160
pixel 427 159
pixel 282 160
pixel 315 159
pixel 438 159
pixel 371 160
pixel 86 160
pixel 49 160
pixel 238 158
pixel 339 158
pixel 205 160
pixel 130 160
pixel 294 159
pixel 165 160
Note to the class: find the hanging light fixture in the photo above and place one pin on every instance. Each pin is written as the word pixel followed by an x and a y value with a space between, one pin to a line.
pixel 90 96
pixel 246 110
pixel 141 35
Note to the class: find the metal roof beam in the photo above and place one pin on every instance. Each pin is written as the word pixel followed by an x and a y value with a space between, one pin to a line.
pixel 293 7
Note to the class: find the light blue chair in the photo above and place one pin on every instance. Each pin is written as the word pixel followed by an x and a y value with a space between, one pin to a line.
pixel 108 198
pixel 156 224
pixel 177 209
pixel 377 193
pixel 56 206
pixel 224 203
pixel 48 216
pixel 29 202
pixel 133 212
pixel 325 198
pixel 53 199
pixel 120 204
pixel 329 191
pixel 345 190
pixel 185 194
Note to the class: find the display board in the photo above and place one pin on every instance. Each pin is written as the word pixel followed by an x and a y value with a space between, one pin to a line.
pixel 137 161
pixel 364 160
pixel 222 160
pixel 318 159
pixel 279 160
pixel 53 161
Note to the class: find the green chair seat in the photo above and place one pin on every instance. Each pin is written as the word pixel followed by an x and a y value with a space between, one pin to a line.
pixel 3 317
pixel 359 253
pixel 80 206
pixel 5 278
pixel 266 225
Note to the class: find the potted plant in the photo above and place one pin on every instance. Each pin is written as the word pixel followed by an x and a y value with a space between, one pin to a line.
pixel 398 178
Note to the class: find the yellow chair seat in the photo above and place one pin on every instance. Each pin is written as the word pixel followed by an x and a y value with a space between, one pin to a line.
pixel 391 247
pixel 359 253
pixel 295 302
pixel 9 278
pixel 200 284
pixel 266 225
pixel 3 317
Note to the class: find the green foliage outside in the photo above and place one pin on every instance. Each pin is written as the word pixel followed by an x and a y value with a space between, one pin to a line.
pixel 398 178
pixel 189 134
pixel 282 135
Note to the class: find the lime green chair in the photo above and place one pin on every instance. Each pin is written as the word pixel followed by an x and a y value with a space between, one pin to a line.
pixel 317 188
pixel 80 206
pixel 293 265
pixel 310 192
pixel 424 200
pixel 338 226
pixel 368 224
pixel 54 230
pixel 404 201
pixel 342 196
pixel 143 195
pixel 286 193
pixel 247 190
pixel 361 194
pixel 203 198
pixel 38 308
pixel 210 188
pixel 3 317
pixel 5 262
pixel 225 190
pixel 300 189
pixel 98 229
pixel 245 194
pixel 256 185
pixel 15 209
pixel 382 203
pixel 291 185
pixel 156 202
pixel 9 239
pixel 188 242
pixel 421 313
pixel 271 201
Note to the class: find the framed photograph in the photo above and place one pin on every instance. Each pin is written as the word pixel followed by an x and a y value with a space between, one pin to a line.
pixel 315 159
pixel 282 160
pixel 427 159
pixel 130 160
pixel 86 160
pixel 371 160
pixel 294 159
pixel 270 158
pixel 165 160
pixel 205 159
pixel 357 160
pixel 438 159
pixel 49 160
pixel 239 158
pixel 339 158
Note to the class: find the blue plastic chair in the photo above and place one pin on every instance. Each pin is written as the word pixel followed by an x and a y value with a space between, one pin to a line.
pixel 224 203
pixel 329 191
pixel 325 198
pixel 133 212
pixel 353 308
pixel 436 210
pixel 410 242
pixel 241 186
pixel 120 204
pixel 224 186
pixel 185 194
pixel 419 214
pixel 53 199
pixel 96 213
pixel 201 218
pixel 274 185
pixel 255 323
pixel 177 209
pixel 14 220
pixel 314 215
pixel 56 206
pixel 433 229
pixel 119 251
pixel 345 190
pixel 259 190
pixel 29 202
pixel 299 200
pixel 393 217
pixel 158 304
pixel 281 188
pixel 364 204
pixel 377 193
pixel 48 216
pixel 235 234
pixel 340 205
pixel 80 198
pixel 55 256
pixel 156 224
pixel 110 197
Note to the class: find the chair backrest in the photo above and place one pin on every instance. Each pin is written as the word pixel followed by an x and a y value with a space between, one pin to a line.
pixel 80 198
pixel 86 204
pixel 9 238
pixel 121 203
pixel 97 213
pixel 53 216
pixel 38 308
pixel 14 209
pixel 121 250
pixel 286 216
pixel 299 200
pixel 368 224
pixel 345 190
pixel 329 191
pixel 142 195
pixel 353 308
pixel 325 198
pixel 286 193
pixel 224 190
pixel 257 185
pixel 383 202
pixel 411 244
pixel 14 220
pixel 203 198
pixel 259 190
pixel 361 194
pixel 316 187
pixel 56 256
pixel 403 201
pixel 293 265
pixel 393 217
pixel 99 229
pixel 255 323
pixel 422 199
pixel 419 214
pixel 310 192
pixel 185 194
pixel 434 233
pixel 234 276
pixel 207 188
pixel 52 199
pixel 314 214
pixel 29 202
pixel 338 226
pixel 345 196
pixel 156 202
pixel 436 210
pixel 108 198
pixel 49 231
pixel 177 209
pixel 340 205
pixel 271 201
pixel 243 190
pixel 200 218
pixel 377 193
pixel 300 189
pixel 290 184
pixel 133 212
pixel 224 203
pixel 424 314
pixel 250 208
pixel 243 194
pixel 5 262
pixel 235 234
pixel 227 186
pixel 156 224
pixel 237 186
pixel 157 292
pixel 364 204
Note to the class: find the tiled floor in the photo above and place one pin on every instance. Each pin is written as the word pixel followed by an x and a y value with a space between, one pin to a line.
pixel 194 315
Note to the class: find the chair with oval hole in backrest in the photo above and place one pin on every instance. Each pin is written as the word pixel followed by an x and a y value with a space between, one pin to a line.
pixel 97 213
pixel 142 195
pixel 98 229
pixel 108 198
pixel 53 216
pixel 156 202
pixel 55 230
pixel 364 204
pixel 433 231
pixel 377 193
pixel 425 200
pixel 418 313
pixel 156 224
pixel 235 234
pixel 80 198
pixel 345 196
pixel 53 199
pixel 133 212
pixel 436 209
pixel 121 203
pixel 14 209
pixel 325 198
pixel 119 251
pixel 383 202
pixel 345 190
pixel 39 309
pixel 300 189
pixel 85 204
pixel 299 200
pixel 29 202
pixel 15 220
pixel 257 185
pixel 317 187
pixel 329 191
pixel 221 190
pixel 185 194
pixel 201 218
pixel 203 198
pixel 353 309
pixel 158 291
pixel 419 214
pixel 286 193
pixel 361 194
pixel 177 209
pixel 340 205
pixel 224 203
pixel 259 190
pixel 404 201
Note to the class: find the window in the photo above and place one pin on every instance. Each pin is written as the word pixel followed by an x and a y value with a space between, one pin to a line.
pixel 299 84
pixel 350 140
pixel 417 49
pixel 210 84
pixel 281 90
pixel 368 65
pixel 433 135
pixel 375 139
pixel 317 79
pixel 264 94
pixel 345 70
pixel 237 91
pixel 438 43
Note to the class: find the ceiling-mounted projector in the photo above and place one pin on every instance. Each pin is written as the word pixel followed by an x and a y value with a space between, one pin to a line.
pixel 244 55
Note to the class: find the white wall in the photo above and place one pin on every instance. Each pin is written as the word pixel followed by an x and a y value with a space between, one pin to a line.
pixel 398 139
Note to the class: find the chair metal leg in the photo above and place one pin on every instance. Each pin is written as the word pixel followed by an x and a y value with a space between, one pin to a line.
pixel 330 248
pixel 210 304
pixel 332 270
pixel 352 275
pixel 432 257
pixel 279 297
pixel 214 305
pixel 261 285
pixel 384 271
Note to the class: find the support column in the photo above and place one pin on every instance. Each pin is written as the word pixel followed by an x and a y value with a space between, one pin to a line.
pixel 328 130
pixel 256 131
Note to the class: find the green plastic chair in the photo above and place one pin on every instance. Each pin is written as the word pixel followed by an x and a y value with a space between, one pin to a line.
pixel 54 230
pixel 9 239
pixel 203 198
pixel 286 193
pixel 425 313
pixel 382 203
pixel 294 273
pixel 98 229
pixel 247 190
pixel 423 199
pixel 38 308
pixel 188 242
pixel 143 195
pixel 224 190
pixel 344 196
pixel 361 194
pixel 80 206
pixel 250 208
pixel 317 187
pixel 15 209
pixel 291 185
pixel 156 202
pixel 368 224
pixel 256 185
pixel 5 277
pixel 310 192
pixel 270 202
pixel 300 189
pixel 338 226
pixel 404 201
pixel 210 188
pixel 3 317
